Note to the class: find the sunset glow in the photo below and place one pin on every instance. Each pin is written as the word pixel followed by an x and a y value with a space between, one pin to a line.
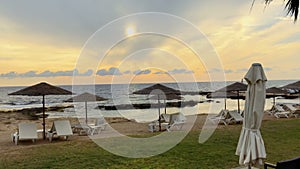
pixel 130 31
pixel 45 44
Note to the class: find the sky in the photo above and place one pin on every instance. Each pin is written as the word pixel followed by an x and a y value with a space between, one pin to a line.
pixel 138 41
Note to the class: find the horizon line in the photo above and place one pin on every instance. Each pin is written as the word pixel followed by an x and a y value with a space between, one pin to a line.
pixel 143 83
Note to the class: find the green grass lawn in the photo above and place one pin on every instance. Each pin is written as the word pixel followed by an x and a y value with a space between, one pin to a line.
pixel 282 138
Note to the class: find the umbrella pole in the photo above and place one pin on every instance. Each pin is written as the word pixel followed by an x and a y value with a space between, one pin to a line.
pixel 274 100
pixel 86 112
pixel 238 95
pixel 44 129
pixel 225 104
pixel 165 106
pixel 159 119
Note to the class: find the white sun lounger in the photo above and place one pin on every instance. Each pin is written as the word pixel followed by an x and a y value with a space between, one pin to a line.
pixel 220 117
pixel 235 117
pixel 278 111
pixel 177 120
pixel 293 110
pixel 168 121
pixel 60 128
pixel 164 122
pixel 26 131
pixel 99 125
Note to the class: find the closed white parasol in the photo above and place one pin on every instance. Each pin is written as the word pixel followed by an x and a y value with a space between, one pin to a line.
pixel 251 149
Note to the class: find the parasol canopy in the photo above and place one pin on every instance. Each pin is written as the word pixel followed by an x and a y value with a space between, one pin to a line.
pixel 275 92
pixel 166 90
pixel 251 149
pixel 236 88
pixel 293 86
pixel 159 92
pixel 86 97
pixel 42 89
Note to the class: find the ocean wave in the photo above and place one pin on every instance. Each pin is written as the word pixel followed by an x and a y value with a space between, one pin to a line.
pixel 24 103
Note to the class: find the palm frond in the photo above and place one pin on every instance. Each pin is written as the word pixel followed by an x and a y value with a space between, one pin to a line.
pixel 292 7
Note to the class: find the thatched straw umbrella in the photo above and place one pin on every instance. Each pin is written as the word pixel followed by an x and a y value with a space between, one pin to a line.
pixel 235 87
pixel 293 86
pixel 158 92
pixel 166 90
pixel 275 92
pixel 86 97
pixel 42 89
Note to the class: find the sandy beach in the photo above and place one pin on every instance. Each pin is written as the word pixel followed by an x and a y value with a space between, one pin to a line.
pixel 10 121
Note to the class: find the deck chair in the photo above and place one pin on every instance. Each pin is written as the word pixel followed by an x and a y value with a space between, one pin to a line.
pixel 99 125
pixel 26 131
pixel 235 117
pixel 176 120
pixel 278 111
pixel 293 110
pixel 60 128
pixel 164 122
pixel 288 164
pixel 220 117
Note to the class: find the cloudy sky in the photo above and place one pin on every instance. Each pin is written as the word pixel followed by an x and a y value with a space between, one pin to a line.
pixel 144 41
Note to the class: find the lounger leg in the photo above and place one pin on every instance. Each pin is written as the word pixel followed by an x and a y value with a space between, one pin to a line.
pixel 168 128
pixel 50 135
pixel 16 139
pixel 224 122
pixel 89 132
pixel 179 127
pixel 98 130
pixel 103 128
pixel 151 127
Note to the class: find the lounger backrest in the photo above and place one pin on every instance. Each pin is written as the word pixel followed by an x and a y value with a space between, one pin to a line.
pixel 290 107
pixel 279 108
pixel 63 128
pixel 236 115
pixel 173 118
pixel 177 117
pixel 221 113
pixel 27 131
pixel 225 113
pixel 166 117
pixel 100 121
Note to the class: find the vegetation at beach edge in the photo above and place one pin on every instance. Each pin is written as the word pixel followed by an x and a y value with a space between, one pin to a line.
pixel 218 152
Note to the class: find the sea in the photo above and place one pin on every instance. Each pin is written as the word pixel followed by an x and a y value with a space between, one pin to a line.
pixel 123 94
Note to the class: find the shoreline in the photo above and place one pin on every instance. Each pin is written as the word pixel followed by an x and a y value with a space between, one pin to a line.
pixel 10 121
